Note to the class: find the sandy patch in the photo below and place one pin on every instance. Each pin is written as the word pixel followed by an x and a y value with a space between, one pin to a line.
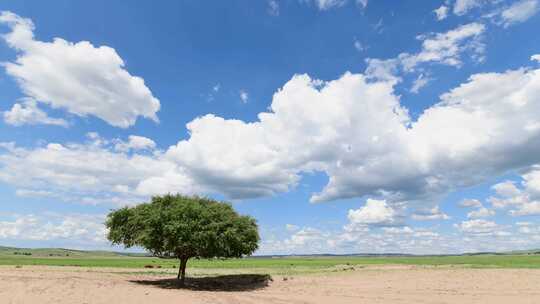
pixel 407 284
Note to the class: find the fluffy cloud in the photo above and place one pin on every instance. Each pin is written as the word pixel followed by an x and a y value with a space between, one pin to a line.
pixel 478 227
pixel 531 182
pixel 244 96
pixel 398 230
pixel 461 7
pixel 506 189
pixel 135 143
pixel 523 200
pixel 468 136
pixel 441 13
pixel 85 80
pixel 502 14
pixel 446 47
pixel 90 173
pixel 233 157
pixel 506 201
pixel 304 236
pixel 481 212
pixel 27 113
pixel 365 142
pixel 266 156
pixel 375 212
pixel 498 11
pixel 475 236
pixel 528 229
pixel 326 4
pixel 75 229
pixel 385 239
pixel 519 12
pixel 437 48
pixel 305 240
pixel 530 208
pixel 470 203
pixel 430 215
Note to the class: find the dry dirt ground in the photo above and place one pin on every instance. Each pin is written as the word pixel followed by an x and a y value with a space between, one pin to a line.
pixel 387 284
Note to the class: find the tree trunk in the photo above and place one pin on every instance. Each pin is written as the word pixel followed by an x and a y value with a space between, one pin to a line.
pixel 182 270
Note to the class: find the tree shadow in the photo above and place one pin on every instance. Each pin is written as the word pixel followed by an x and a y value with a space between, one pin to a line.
pixel 235 282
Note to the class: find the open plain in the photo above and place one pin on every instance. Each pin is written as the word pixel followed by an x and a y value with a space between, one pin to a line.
pixel 338 284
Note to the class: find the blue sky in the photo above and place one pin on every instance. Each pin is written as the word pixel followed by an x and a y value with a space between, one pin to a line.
pixel 342 126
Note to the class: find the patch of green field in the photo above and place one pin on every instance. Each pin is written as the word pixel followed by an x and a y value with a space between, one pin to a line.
pixel 278 264
pixel 61 252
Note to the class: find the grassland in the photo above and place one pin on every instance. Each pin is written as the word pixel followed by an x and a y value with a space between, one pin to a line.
pixel 63 257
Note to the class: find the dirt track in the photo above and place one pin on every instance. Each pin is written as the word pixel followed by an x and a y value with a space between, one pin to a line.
pixel 400 284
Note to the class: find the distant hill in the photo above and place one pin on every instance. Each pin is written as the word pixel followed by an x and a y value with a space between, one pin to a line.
pixel 62 252
pixel 530 251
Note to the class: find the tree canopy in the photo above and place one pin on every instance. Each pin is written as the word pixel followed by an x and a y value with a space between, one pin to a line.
pixel 184 227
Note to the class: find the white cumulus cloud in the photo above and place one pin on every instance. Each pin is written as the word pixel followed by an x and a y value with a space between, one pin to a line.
pixel 77 77
pixel 72 229
pixel 135 142
pixel 523 198
pixel 366 143
pixel 27 112
pixel 91 173
pixel 478 227
pixel 375 212
pixel 481 212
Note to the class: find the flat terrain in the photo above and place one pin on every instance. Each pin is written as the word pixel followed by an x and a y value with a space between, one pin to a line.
pixel 369 284
pixel 276 265
pixel 71 276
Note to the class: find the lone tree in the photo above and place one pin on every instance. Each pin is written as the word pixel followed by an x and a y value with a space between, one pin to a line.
pixel 184 227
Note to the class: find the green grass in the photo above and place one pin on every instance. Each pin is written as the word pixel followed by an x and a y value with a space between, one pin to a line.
pixel 285 264
pixel 60 252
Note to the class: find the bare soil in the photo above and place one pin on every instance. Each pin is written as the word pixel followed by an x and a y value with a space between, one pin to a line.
pixel 381 284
